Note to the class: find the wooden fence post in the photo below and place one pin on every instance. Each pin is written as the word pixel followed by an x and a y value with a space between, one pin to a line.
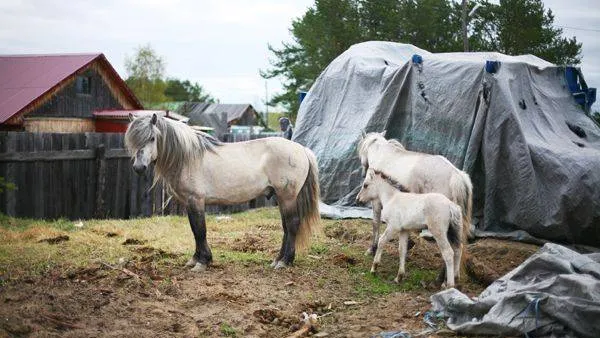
pixel 100 211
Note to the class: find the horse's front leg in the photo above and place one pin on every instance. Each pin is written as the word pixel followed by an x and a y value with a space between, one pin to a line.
pixel 385 237
pixel 202 257
pixel 376 223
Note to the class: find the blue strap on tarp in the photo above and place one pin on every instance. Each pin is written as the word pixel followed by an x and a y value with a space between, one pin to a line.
pixel 492 66
pixel 583 95
pixel 418 59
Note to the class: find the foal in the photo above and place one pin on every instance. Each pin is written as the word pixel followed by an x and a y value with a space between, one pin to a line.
pixel 403 212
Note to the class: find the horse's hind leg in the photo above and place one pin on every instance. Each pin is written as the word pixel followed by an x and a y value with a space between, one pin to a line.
pixel 447 252
pixel 376 223
pixel 202 257
pixel 284 241
pixel 457 259
pixel 291 224
pixel 402 249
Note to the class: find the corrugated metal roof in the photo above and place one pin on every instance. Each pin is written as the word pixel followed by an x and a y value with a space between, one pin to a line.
pixel 233 111
pixel 25 78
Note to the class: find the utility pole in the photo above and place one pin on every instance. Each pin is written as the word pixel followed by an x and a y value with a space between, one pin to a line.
pixel 464 26
pixel 266 103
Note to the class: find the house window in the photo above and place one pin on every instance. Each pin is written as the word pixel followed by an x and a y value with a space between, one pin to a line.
pixel 83 85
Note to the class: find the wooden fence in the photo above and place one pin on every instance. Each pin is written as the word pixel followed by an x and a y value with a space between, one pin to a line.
pixel 80 176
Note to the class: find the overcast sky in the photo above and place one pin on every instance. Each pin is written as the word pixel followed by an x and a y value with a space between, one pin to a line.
pixel 221 44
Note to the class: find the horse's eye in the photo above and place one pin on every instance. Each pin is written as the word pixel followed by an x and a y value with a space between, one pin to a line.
pixel 152 139
pixel 365 185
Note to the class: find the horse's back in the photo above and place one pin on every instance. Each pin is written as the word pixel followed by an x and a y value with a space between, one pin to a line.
pixel 415 209
pixel 284 162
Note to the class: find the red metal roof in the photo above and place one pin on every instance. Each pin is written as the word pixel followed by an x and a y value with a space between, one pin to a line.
pixel 25 78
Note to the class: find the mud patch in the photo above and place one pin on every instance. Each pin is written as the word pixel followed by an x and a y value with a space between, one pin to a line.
pixel 153 254
pixel 55 240
pixel 15 326
pixel 490 259
pixel 133 241
pixel 343 260
pixel 86 274
pixel 250 243
pixel 344 231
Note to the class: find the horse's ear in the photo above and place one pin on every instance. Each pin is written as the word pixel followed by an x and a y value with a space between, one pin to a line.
pixel 363 134
pixel 131 117
pixel 383 133
pixel 154 117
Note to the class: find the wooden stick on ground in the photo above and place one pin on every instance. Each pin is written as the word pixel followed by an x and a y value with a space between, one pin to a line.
pixel 123 270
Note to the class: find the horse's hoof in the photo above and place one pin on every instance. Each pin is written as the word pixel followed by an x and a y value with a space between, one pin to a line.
pixel 398 279
pixel 274 263
pixel 447 286
pixel 199 267
pixel 280 265
pixel 369 252
pixel 192 262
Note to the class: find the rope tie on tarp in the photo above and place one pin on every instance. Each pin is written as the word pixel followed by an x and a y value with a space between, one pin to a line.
pixel 532 307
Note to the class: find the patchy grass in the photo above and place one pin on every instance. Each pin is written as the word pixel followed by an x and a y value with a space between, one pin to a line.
pixel 227 330
pixel 99 270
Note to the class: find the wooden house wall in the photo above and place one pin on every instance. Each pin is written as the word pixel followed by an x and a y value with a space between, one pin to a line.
pixel 59 125
pixel 247 119
pixel 68 103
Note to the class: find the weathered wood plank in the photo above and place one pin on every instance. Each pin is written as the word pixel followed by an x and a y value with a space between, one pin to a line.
pixel 117 153
pixel 40 156
pixel 100 211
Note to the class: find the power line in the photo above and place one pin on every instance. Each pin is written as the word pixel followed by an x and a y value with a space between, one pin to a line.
pixel 579 29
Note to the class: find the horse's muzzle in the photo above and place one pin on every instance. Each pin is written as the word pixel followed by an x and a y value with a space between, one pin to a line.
pixel 139 169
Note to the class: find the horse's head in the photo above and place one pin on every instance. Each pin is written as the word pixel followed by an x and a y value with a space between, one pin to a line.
pixel 368 191
pixel 141 141
pixel 366 141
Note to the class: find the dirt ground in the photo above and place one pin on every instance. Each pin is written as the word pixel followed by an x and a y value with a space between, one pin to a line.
pixel 147 292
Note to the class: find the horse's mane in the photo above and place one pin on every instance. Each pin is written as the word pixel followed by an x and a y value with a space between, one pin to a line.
pixel 366 141
pixel 371 138
pixel 396 144
pixel 391 181
pixel 177 144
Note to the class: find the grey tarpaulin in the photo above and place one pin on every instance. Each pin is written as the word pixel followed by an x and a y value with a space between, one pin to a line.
pixel 553 293
pixel 532 153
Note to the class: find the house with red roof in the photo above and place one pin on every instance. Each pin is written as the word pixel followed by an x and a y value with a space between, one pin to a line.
pixel 60 93
pixel 116 121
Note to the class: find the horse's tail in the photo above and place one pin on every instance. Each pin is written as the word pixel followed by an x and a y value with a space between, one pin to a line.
pixel 461 190
pixel 307 203
pixel 455 228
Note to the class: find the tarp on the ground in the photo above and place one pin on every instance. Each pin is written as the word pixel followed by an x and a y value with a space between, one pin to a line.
pixel 555 292
pixel 532 153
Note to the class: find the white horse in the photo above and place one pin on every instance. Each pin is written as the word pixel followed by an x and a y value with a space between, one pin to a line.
pixel 418 173
pixel 404 212
pixel 197 169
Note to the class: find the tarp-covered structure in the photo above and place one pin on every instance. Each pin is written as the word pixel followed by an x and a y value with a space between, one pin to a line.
pixel 511 122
